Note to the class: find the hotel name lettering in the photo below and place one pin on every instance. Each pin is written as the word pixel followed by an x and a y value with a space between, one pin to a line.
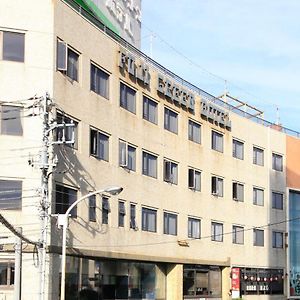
pixel 139 70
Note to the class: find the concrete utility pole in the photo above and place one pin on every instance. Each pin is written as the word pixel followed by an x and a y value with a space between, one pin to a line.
pixel 18 266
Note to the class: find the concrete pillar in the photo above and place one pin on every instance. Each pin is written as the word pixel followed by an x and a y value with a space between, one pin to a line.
pixel 226 283
pixel 174 282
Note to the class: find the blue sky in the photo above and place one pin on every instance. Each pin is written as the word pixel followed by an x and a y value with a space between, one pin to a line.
pixel 253 45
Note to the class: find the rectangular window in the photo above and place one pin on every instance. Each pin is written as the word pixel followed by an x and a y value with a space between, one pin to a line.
pixel 148 219
pixel 217 186
pixel 237 149
pixel 258 156
pixel 194 179
pixel 72 64
pixel 216 232
pixel 99 145
pixel 67 131
pixel 92 208
pixel 64 198
pixel 11 120
pixel 237 191
pixel 277 239
pixel 13 46
pixel 258 196
pixel 122 214
pixel 99 81
pixel 170 223
pixel 171 120
pixel 277 162
pixel 237 234
pixel 133 216
pixel 277 200
pixel 194 132
pixel 170 171
pixel 217 141
pixel 7 272
pixel 149 110
pixel 258 237
pixel 149 164
pixel 127 156
pixel 105 210
pixel 127 97
pixel 10 194
pixel 194 228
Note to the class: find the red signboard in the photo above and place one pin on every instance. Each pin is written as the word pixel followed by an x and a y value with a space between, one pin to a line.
pixel 235 279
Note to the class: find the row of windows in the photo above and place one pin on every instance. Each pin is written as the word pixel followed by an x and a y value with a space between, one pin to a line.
pixel 66 196
pixel 100 85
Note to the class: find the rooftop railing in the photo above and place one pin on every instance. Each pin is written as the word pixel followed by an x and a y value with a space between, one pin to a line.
pixel 205 95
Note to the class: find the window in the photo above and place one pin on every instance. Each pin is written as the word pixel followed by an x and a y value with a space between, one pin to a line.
pixel 170 223
pixel 149 110
pixel 171 122
pixel 216 232
pixel 7 272
pixel 13 46
pixel 237 234
pixel 237 191
pixel 193 228
pixel 133 216
pixel 67 131
pixel 11 123
pixel 194 179
pixel 92 208
pixel 127 155
pixel 127 97
pixel 10 194
pixel 277 239
pixel 148 219
pixel 258 156
pixel 105 210
pixel 276 162
pixel 194 132
pixel 64 197
pixel 217 186
pixel 99 81
pixel 217 141
pixel 237 149
pixel 121 214
pixel 258 196
pixel 67 60
pixel 170 171
pixel 99 145
pixel 277 200
pixel 258 237
pixel 149 164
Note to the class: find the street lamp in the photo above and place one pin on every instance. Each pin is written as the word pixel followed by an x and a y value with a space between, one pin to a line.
pixel 63 221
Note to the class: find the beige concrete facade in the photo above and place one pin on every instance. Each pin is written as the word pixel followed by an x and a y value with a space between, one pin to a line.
pixel 44 22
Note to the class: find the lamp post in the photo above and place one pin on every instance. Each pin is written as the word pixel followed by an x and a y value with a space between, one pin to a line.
pixel 63 221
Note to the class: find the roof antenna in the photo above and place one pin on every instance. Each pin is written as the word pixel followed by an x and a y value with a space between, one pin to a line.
pixel 277 116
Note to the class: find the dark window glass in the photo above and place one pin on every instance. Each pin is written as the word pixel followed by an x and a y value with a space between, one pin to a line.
pixel 258 196
pixel 13 46
pixel 127 156
pixel 258 237
pixel 277 162
pixel 193 228
pixel 133 216
pixel 148 219
pixel 170 172
pixel 149 165
pixel 258 156
pixel 149 110
pixel 217 186
pixel 105 210
pixel 73 64
pixel 238 149
pixel 92 208
pixel 64 198
pixel 127 98
pixel 194 132
pixel 99 145
pixel 277 200
pixel 11 123
pixel 10 194
pixel 216 232
pixel 99 81
pixel 194 179
pixel 217 141
pixel 122 213
pixel 237 234
pixel 237 191
pixel 170 223
pixel 171 120
pixel 277 239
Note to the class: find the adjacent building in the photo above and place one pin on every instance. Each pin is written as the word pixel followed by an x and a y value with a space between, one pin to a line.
pixel 209 208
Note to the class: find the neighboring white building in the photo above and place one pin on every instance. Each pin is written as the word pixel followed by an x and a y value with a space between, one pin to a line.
pixel 204 206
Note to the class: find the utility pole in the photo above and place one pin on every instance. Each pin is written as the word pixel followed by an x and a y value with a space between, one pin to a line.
pixel 44 166
pixel 18 266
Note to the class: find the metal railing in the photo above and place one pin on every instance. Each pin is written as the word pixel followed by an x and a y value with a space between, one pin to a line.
pixel 205 95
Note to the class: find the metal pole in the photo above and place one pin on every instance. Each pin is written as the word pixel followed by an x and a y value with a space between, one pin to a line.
pixel 18 265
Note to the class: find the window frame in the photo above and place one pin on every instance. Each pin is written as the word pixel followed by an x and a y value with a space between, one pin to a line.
pixel 98 81
pixel 121 213
pixel 192 179
pixel 9 276
pixel 146 111
pixel 132 222
pixel 21 51
pixel 255 194
pixel 65 190
pixel 191 233
pixel 256 151
pixel 275 200
pixel 214 236
pixel 235 152
pixel 126 160
pixel 216 181
pixel 145 169
pixel 236 193
pixel 11 190
pixel 146 212
pixel 124 102
pixel 215 138
pixel 10 128
pixel 236 231
pixel 168 124
pixel 105 205
pixel 191 134
pixel 168 217
pixel 277 243
pixel 170 175
pixel 92 208
pixel 257 243
pixel 99 144
pixel 277 162
pixel 65 131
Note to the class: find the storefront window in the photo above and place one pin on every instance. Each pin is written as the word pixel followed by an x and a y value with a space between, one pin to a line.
pixel 201 280
pixel 114 279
